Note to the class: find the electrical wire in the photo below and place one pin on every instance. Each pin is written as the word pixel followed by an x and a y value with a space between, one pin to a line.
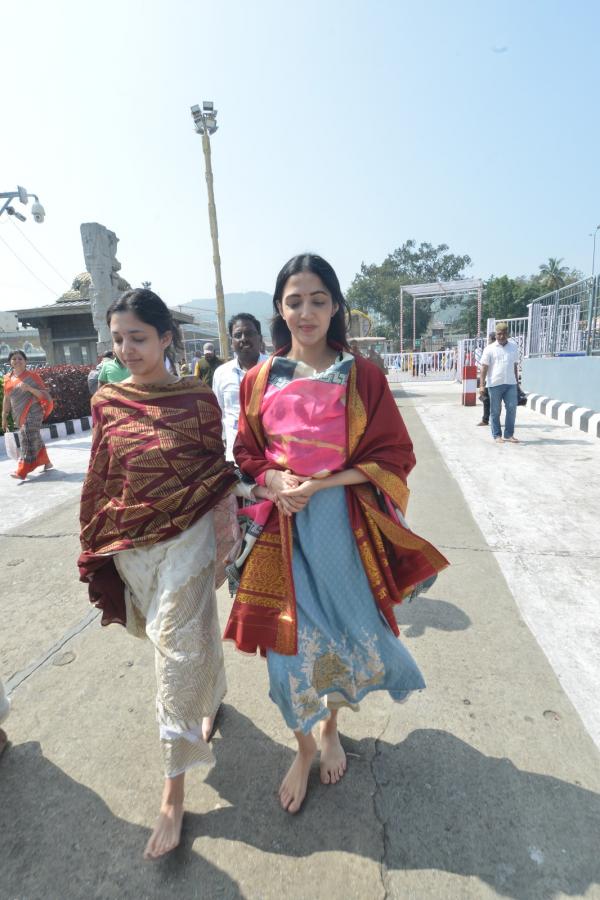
pixel 39 252
pixel 31 272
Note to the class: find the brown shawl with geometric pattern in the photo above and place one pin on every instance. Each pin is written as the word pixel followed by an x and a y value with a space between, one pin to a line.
pixel 157 465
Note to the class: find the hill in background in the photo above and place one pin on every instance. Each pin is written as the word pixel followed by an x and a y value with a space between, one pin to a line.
pixel 259 303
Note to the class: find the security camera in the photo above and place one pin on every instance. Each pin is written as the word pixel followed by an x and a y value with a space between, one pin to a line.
pixel 38 212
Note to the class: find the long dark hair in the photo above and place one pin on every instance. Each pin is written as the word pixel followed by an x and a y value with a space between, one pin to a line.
pixel 149 308
pixel 310 262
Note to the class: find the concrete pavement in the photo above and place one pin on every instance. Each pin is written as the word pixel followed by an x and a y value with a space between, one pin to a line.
pixel 538 506
pixel 487 784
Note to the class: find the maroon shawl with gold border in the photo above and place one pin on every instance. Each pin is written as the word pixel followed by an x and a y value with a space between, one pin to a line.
pixel 157 465
pixel 395 559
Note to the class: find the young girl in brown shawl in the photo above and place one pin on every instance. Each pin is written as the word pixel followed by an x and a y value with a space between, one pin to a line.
pixel 157 480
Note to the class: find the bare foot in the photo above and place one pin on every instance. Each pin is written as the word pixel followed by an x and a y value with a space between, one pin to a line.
pixel 511 440
pixel 293 787
pixel 333 758
pixel 167 830
pixel 499 440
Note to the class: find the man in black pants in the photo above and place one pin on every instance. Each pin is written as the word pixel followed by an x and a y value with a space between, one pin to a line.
pixel 485 398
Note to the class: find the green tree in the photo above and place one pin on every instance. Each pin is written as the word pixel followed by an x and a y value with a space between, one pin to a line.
pixel 553 275
pixel 376 288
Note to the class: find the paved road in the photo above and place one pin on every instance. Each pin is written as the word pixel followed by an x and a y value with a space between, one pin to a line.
pixel 487 784
pixel 42 492
pixel 537 504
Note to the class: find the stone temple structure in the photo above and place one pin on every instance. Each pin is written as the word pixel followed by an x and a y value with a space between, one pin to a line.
pixel 73 330
pixel 105 284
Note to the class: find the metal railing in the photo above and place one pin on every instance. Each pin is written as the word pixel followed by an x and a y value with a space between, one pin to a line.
pixel 566 321
pixel 469 350
pixel 428 366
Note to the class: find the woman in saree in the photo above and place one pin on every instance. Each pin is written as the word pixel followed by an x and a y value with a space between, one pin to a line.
pixel 27 398
pixel 156 484
pixel 319 427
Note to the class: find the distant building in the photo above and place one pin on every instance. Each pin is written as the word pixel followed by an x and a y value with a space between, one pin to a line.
pixel 66 328
pixel 360 324
pixel 14 338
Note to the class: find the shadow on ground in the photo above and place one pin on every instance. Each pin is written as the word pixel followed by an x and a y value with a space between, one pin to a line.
pixel 426 612
pixel 59 839
pixel 438 804
pixel 53 475
pixel 442 804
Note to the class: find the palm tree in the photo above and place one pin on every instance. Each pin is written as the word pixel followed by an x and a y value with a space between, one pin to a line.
pixel 553 274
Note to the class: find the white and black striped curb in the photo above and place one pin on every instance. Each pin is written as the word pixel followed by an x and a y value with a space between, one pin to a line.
pixel 55 431
pixel 566 413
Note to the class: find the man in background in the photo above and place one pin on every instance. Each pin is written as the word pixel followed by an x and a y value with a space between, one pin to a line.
pixel 246 340
pixel 499 368
pixel 376 358
pixel 94 374
pixel 207 364
pixel 112 370
pixel 485 397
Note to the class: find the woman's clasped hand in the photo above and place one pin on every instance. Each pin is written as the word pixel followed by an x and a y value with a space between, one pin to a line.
pixel 291 492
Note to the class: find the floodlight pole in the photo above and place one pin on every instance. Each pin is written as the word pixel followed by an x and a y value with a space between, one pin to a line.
pixel 205 123
pixel 479 308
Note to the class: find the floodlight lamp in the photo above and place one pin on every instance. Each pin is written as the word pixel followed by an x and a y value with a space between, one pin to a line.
pixel 208 105
pixel 22 194
pixel 198 119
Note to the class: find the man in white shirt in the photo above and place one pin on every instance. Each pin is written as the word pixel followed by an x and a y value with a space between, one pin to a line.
pixel 246 338
pixel 499 367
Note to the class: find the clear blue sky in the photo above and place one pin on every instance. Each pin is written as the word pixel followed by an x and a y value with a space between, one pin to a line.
pixel 345 127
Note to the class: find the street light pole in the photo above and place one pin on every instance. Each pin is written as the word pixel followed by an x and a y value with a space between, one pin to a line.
pixel 205 123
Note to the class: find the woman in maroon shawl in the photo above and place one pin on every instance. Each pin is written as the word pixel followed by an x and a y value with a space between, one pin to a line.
pixel 320 428
pixel 156 488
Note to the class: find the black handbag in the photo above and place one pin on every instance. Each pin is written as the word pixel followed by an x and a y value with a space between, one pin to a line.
pixel 521 396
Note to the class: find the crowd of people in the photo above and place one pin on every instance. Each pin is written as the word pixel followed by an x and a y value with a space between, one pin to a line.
pixel 307 449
